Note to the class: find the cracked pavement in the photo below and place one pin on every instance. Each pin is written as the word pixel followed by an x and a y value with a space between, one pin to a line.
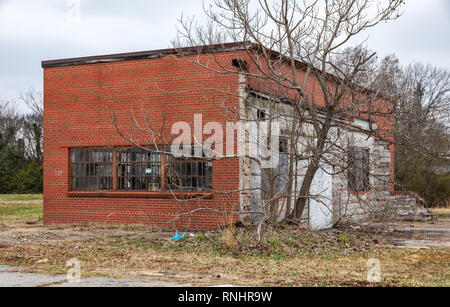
pixel 15 277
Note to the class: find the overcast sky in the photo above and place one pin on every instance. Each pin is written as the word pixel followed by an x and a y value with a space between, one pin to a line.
pixel 36 30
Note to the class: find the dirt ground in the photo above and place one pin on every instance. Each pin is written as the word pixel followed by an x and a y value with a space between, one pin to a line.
pixel 411 254
pixel 21 231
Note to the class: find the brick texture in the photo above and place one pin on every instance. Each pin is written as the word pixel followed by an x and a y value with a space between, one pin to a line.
pixel 79 101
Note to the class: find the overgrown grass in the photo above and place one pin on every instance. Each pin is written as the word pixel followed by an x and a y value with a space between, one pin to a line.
pixel 286 257
pixel 20 197
pixel 11 214
pixel 14 208
pixel 441 212
pixel 134 258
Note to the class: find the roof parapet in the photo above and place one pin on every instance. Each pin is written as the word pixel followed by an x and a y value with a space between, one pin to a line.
pixel 151 54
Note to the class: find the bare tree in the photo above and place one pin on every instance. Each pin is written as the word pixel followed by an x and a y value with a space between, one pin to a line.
pixel 33 123
pixel 422 136
pixel 34 101
pixel 10 124
pixel 296 51
pixel 423 106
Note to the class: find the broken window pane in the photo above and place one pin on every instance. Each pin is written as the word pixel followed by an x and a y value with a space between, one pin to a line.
pixel 188 173
pixel 91 169
pixel 133 174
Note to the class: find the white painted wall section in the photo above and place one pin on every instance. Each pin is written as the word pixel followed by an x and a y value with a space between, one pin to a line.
pixel 321 208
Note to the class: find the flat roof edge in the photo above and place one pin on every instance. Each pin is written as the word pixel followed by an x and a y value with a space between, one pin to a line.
pixel 152 54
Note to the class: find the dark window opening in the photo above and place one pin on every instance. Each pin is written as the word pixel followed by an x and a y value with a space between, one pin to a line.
pixel 358 169
pixel 188 173
pixel 284 145
pixel 137 169
pixel 261 115
pixel 92 169
pixel 241 64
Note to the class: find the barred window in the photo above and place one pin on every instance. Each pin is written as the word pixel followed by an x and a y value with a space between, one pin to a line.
pixel 188 173
pixel 139 169
pixel 358 169
pixel 92 169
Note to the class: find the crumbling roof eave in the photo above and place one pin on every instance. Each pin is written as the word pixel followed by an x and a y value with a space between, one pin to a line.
pixel 185 51
pixel 151 54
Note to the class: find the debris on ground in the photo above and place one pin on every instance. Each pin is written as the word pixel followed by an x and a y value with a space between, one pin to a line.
pixel 178 237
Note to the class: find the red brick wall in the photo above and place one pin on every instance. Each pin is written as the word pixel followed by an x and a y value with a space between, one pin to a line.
pixel 78 101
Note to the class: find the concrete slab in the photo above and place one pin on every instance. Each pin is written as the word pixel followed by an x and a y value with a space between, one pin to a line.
pixel 421 235
pixel 421 244
pixel 121 282
pixel 8 268
pixel 17 279
pixel 13 277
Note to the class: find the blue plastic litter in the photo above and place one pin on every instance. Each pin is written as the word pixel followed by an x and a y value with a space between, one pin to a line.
pixel 178 237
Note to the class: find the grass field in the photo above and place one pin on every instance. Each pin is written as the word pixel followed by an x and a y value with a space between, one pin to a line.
pixel 20 197
pixel 287 257
pixel 16 208
pixel 441 212
pixel 205 266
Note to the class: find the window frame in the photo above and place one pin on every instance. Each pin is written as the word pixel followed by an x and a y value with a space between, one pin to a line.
pixel 183 163
pixel 86 177
pixel 116 192
pixel 137 164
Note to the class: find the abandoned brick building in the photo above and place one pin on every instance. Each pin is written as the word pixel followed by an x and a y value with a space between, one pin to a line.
pixel 94 172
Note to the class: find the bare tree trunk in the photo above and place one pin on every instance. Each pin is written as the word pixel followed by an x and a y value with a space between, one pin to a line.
pixel 287 41
pixel 311 171
pixel 304 192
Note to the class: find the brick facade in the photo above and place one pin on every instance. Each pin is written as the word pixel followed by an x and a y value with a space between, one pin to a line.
pixel 87 99
pixel 78 102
